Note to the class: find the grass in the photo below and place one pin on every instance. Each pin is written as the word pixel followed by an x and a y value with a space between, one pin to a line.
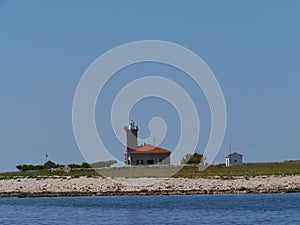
pixel 42 174
pixel 134 172
pixel 246 170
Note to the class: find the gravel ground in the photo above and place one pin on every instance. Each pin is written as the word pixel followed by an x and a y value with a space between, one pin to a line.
pixel 85 186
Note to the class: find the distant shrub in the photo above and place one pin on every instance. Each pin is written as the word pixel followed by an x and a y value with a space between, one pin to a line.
pixel 85 165
pixel 103 164
pixel 100 164
pixel 195 158
pixel 74 166
pixel 29 167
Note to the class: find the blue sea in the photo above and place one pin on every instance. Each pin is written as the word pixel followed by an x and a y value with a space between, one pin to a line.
pixel 191 209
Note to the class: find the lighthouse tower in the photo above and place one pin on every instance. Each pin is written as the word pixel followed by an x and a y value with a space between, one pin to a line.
pixel 131 139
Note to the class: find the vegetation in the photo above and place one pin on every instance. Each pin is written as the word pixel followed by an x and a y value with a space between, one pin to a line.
pixel 213 171
pixel 103 164
pixel 29 167
pixel 191 159
pixel 100 164
pixel 141 171
pixel 246 170
pixel 84 165
pixel 42 174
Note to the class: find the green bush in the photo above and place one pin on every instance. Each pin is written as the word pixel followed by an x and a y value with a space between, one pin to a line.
pixel 29 167
pixel 195 158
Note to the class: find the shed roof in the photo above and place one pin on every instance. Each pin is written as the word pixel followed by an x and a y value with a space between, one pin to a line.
pixel 149 149
pixel 49 164
pixel 233 153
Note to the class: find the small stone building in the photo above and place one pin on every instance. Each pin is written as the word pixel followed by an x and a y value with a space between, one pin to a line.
pixel 49 165
pixel 65 169
pixel 234 159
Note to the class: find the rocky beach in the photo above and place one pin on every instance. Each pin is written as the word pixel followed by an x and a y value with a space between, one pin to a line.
pixel 97 186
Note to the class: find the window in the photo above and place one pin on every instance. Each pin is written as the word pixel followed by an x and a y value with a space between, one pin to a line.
pixel 150 161
pixel 160 160
pixel 138 162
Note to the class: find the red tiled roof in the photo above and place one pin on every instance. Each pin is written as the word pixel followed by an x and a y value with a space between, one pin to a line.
pixel 149 149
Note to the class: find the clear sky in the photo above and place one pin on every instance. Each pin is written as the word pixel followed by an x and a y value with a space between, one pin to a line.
pixel 252 46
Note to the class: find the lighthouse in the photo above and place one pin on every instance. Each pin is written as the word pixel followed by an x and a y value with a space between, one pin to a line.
pixel 145 154
pixel 131 139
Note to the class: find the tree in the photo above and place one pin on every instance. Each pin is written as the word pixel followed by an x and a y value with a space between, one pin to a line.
pixel 85 165
pixel 195 158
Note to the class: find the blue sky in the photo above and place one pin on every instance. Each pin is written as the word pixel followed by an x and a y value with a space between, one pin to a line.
pixel 253 48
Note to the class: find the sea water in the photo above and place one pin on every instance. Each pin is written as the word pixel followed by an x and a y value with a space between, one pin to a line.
pixel 191 209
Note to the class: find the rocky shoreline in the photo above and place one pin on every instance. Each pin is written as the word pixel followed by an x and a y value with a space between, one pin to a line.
pixel 92 186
